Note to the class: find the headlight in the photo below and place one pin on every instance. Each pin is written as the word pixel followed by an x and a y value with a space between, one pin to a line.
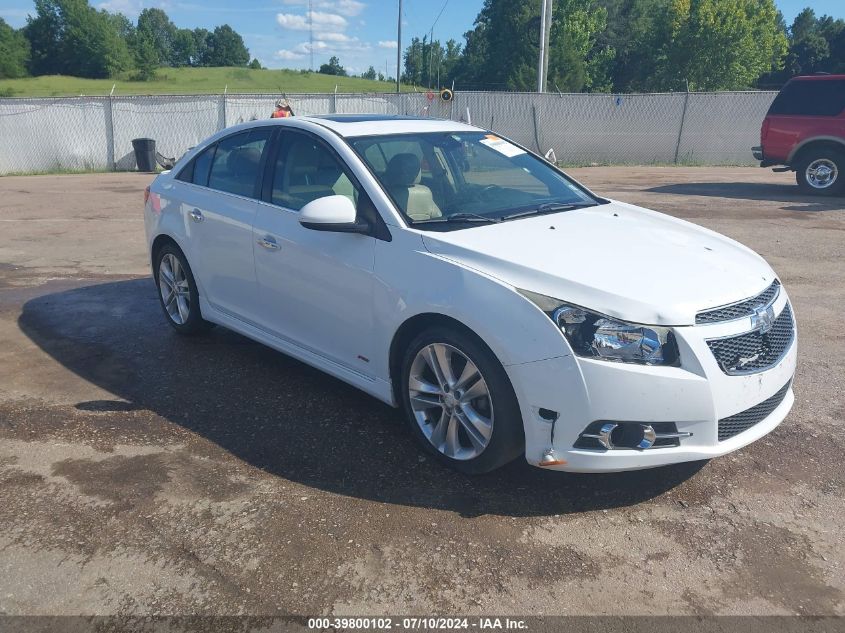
pixel 598 336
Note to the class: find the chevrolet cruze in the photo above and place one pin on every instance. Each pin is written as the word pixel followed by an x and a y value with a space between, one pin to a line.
pixel 503 307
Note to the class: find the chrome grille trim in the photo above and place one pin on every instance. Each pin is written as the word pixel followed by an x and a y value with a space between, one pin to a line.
pixel 740 309
pixel 744 420
pixel 755 351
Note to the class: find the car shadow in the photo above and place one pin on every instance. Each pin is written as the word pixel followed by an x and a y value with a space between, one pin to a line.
pixel 287 418
pixel 787 194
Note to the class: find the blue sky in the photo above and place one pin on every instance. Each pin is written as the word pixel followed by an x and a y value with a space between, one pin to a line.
pixel 360 32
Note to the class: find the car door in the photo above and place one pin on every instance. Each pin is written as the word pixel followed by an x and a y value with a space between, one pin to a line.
pixel 219 208
pixel 315 287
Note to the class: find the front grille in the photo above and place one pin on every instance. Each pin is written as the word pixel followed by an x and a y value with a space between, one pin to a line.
pixel 737 423
pixel 739 310
pixel 754 351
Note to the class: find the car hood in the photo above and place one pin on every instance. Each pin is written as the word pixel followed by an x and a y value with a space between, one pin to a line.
pixel 617 259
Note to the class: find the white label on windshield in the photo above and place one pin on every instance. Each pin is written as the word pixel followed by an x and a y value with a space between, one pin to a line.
pixel 502 146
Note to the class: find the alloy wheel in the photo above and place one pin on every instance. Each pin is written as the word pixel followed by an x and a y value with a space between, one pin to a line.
pixel 822 173
pixel 450 401
pixel 175 289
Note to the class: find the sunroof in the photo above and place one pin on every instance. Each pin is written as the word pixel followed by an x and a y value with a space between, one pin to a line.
pixel 359 118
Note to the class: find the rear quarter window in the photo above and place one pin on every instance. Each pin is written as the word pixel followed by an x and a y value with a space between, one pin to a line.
pixel 198 169
pixel 810 98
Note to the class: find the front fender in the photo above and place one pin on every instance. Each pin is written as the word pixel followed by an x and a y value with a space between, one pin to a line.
pixel 413 281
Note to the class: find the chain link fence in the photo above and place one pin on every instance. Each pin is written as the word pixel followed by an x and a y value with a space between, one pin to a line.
pixel 95 133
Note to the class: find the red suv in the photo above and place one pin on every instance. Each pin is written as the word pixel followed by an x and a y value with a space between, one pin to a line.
pixel 805 131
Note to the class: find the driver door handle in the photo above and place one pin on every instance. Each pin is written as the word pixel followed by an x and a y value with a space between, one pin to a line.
pixel 269 242
pixel 196 215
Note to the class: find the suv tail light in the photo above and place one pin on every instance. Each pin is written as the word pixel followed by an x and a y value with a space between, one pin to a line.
pixel 764 132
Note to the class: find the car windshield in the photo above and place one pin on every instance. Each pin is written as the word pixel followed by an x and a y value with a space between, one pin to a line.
pixel 448 180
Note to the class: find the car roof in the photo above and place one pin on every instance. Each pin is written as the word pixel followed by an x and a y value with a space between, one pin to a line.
pixel 818 77
pixel 349 125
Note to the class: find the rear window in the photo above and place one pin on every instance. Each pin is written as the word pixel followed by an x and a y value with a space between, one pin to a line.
pixel 811 98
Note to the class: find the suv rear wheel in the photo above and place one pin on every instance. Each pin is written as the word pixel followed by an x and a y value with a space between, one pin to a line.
pixel 821 172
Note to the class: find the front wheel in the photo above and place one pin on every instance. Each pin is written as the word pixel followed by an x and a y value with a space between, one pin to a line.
pixel 459 402
pixel 821 172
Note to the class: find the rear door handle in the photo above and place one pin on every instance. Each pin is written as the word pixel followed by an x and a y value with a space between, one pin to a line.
pixel 269 242
pixel 196 215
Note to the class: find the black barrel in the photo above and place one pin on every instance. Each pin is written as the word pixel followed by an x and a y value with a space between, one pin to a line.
pixel 145 153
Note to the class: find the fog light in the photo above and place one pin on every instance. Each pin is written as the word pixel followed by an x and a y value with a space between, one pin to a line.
pixel 630 435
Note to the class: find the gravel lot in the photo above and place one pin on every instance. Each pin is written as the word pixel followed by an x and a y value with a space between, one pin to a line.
pixel 144 473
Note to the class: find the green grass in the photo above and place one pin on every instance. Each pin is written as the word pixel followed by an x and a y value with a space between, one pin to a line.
pixel 192 81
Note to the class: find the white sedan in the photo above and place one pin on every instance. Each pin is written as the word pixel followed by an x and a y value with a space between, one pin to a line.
pixel 505 308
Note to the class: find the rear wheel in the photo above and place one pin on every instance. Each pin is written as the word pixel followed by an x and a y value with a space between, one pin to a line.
pixel 177 291
pixel 821 172
pixel 459 402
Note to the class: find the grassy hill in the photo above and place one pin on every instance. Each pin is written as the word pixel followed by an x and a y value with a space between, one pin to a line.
pixel 193 81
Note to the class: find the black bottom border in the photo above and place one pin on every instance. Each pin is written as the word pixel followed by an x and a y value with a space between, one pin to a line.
pixel 279 624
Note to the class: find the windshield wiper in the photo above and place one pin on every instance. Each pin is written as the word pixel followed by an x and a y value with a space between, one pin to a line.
pixel 548 207
pixel 470 217
pixel 460 217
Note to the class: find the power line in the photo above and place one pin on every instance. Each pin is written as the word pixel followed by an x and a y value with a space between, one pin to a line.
pixel 438 15
pixel 431 41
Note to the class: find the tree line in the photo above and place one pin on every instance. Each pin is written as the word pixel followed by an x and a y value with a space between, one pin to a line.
pixel 70 37
pixel 595 46
pixel 632 46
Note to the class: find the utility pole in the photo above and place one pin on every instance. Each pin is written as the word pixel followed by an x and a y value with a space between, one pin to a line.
pixel 545 28
pixel 311 31
pixel 548 33
pixel 398 46
pixel 430 53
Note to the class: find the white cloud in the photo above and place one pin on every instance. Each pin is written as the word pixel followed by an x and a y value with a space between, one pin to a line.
pixel 321 21
pixel 288 55
pixel 344 7
pixel 126 7
pixel 331 47
pixel 387 44
pixel 292 22
pixel 332 36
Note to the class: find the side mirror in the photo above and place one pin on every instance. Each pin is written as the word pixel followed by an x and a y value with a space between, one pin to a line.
pixel 332 213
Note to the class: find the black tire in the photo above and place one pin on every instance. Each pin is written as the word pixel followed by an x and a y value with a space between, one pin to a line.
pixel 507 440
pixel 194 323
pixel 827 157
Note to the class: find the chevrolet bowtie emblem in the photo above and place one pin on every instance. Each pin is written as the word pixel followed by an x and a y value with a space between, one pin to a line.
pixel 763 318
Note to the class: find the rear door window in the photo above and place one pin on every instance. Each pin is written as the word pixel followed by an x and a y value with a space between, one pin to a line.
pixel 823 97
pixel 237 162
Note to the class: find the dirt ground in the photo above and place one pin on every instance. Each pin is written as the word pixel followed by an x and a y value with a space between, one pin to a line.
pixel 143 473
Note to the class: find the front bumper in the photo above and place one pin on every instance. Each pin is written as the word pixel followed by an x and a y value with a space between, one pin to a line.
pixel 694 396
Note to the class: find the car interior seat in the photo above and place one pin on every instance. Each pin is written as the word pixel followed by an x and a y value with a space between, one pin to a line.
pixel 402 179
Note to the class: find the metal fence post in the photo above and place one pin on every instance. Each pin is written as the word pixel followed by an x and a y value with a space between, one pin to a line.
pixel 223 106
pixel 681 128
pixel 536 129
pixel 110 162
